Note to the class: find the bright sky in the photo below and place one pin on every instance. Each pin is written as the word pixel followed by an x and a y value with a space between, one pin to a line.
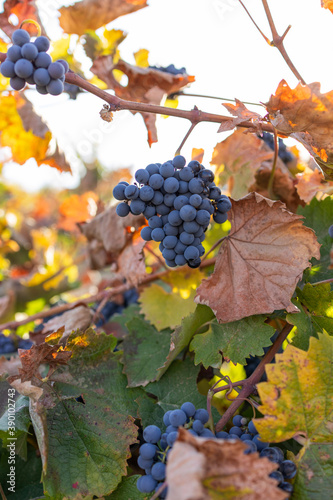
pixel 217 43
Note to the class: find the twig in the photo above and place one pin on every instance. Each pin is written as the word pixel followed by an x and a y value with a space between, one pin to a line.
pixel 250 383
pixel 248 13
pixel 271 178
pixel 180 93
pixel 3 496
pixel 330 280
pixel 93 298
pixel 278 41
pixel 188 133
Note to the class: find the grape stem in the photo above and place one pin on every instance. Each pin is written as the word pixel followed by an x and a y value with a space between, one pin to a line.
pixel 248 385
pixel 181 93
pixel 188 133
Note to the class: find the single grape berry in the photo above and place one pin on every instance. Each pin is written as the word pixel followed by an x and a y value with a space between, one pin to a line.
pixel 55 87
pixel 42 43
pixel 20 37
pixel 7 69
pixel 29 51
pixel 56 70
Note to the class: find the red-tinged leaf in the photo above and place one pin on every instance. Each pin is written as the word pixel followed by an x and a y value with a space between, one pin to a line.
pixel 144 85
pixel 77 209
pixel 327 4
pixel 306 114
pixel 260 262
pixel 131 262
pixel 310 182
pixel 58 160
pixel 242 114
pixel 23 9
pixel 78 318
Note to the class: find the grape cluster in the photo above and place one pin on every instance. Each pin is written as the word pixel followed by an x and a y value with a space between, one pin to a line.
pixel 178 202
pixel 153 453
pixel 285 155
pixel 28 62
pixel 8 345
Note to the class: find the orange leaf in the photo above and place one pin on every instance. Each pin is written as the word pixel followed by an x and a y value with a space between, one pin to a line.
pixel 310 182
pixel 197 154
pixel 242 114
pixel 23 9
pixel 327 4
pixel 77 208
pixel 260 262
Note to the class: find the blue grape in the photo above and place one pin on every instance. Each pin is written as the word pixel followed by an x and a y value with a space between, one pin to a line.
pixel 280 453
pixel 20 37
pixel 55 87
pixel 286 487
pixel 155 222
pixel 277 475
pixel 169 254
pixel 43 60
pixel 191 431
pixel 223 204
pixel 170 230
pixel 197 426
pixel 193 264
pixel 214 193
pixel 131 192
pixel 177 418
pixel 14 53
pixel 146 233
pixel 122 209
pixel 180 260
pixel 168 199
pixel 171 185
pixel 171 263
pixel 171 428
pixel 142 176
pixel 222 435
pixel 191 227
pixel 191 253
pixel 179 161
pixel 187 213
pixel 195 166
pixel 42 78
pixel 196 186
pixel 183 187
pixel 206 175
pixel 56 70
pixel 64 63
pixel 144 463
pixel 152 169
pixel 137 207
pixel 172 438
pixel 207 205
pixel 149 211
pixel 43 90
pixel 119 190
pixel 151 434
pixel 180 201
pixel 203 217
pixel 162 209
pixel 260 444
pixel 146 193
pixel 188 407
pixel 174 218
pixel 17 83
pixel 42 43
pixel 207 433
pixel 195 200
pixel 23 68
pixel 251 447
pixel 271 454
pixel 252 428
pixel 24 344
pixel 158 198
pixel 158 234
pixel 158 471
pixel 29 51
pixel 246 437
pixel 186 238
pixel 180 248
pixel 170 242
pixel 236 430
pixel 6 344
pixel 288 469
pixel 220 218
pixel 146 484
pixel 186 174
pixel 167 170
pixel 202 415
pixel 7 69
pixel 156 181
pixel 148 451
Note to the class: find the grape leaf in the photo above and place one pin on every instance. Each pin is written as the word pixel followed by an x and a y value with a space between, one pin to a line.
pixel 305 114
pixel 236 340
pixel 319 216
pixel 311 182
pixel 242 114
pixel 327 4
pixel 319 302
pixel 296 400
pixel 218 469
pixel 127 490
pixel 145 351
pixel 92 14
pixel 305 327
pixel 77 209
pixel 260 262
pixel 22 9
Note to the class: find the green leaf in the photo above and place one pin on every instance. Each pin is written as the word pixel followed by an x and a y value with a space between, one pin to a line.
pixel 305 328
pixel 237 340
pixel 145 351
pixel 319 216
pixel 127 490
pixel 314 480
pixel 22 424
pixel 178 385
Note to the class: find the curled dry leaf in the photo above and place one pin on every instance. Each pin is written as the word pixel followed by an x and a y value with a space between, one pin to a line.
pixel 242 114
pixel 310 182
pixel 144 84
pixel 305 114
pixel 260 262
pixel 202 469
pixel 78 318
pixel 131 263
pixel 92 14
pixel 108 235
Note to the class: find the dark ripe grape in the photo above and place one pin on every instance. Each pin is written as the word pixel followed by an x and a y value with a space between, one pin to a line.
pixel 195 200
pixel 148 451
pixel 171 185
pixel 43 90
pixel 7 69
pixel 43 60
pixel 195 166
pixel 158 471
pixel 196 186
pixel 42 44
pixel 187 213
pixel 206 175
pixel 174 218
pixel 214 193
pixel 288 469
pixel 183 187
pixel 222 435
pixel 201 250
pixel 191 253
pixel 177 418
pixel 246 437
pixel 207 434
pixel 20 37
pixel 152 169
pixel 158 234
pixel 156 181
pixel 151 434
pixel 123 182
pixel 23 68
pixel 286 487
pixel 119 190
pixel 171 263
pixel 30 80
pixel 14 53
pixel 179 161
pixel 167 170
pixel 146 193
pixel 207 205
pixel 56 70
pixel 236 430
pixel 186 174
pixel 162 209
pixel 188 407
pixel 186 238
pixel 17 83
pixel 55 87
pixel 64 63
pixel 199 233
pixel 251 447
pixel 142 176
pixel 180 248
pixel 237 420
pixel 131 192
pixel 330 231
pixel 170 242
pixel 223 204
pixel 220 218
pixel 276 475
pixel 29 51
pixel 180 201
pixel 146 484
pixel 137 207
pixel 172 436
pixel 168 254
pixel 271 454
pixel 158 198
pixel 166 420
pixel 169 199
pixel 252 428
pixel 203 217
pixel 180 260
pixel 260 444
pixel 279 452
pixel 155 222
pixel 164 219
pixel 149 211
pixel 170 230
pixel 42 78
pixel 122 209
pixel 191 227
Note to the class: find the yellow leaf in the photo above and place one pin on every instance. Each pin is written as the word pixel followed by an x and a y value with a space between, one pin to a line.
pixel 141 58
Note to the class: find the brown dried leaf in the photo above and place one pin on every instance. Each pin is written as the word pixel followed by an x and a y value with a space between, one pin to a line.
pixel 78 318
pixel 58 160
pixel 9 366
pixel 202 469
pixel 92 14
pixel 144 85
pixel 260 262
pixel 23 9
pixel 306 114
pixel 310 182
pixel 131 262
pixel 242 114
pixel 30 119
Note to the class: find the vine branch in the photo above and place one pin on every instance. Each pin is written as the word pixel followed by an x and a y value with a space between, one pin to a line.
pixel 249 384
